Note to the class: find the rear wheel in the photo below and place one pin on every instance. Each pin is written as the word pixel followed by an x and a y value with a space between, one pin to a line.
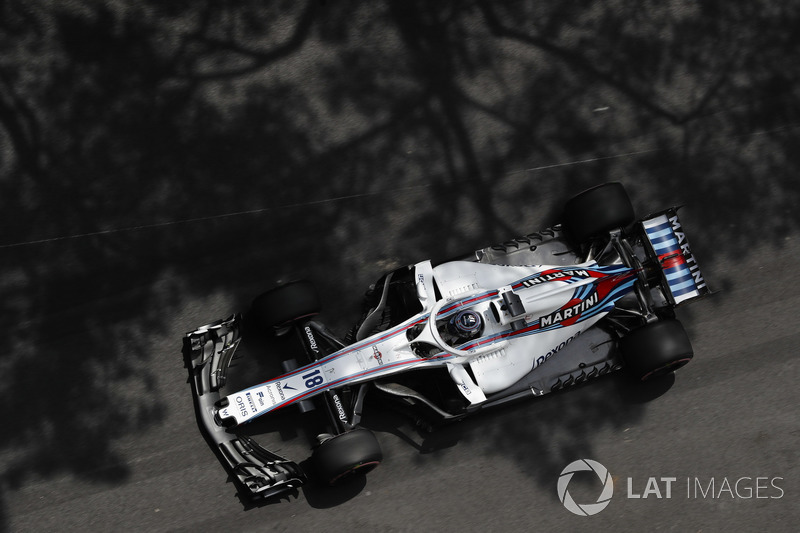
pixel 656 349
pixel 597 211
pixel 284 304
pixel 346 455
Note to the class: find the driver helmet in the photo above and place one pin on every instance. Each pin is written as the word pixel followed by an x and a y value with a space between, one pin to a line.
pixel 467 323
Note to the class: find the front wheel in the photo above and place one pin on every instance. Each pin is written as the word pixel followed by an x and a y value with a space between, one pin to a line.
pixel 346 455
pixel 656 349
pixel 284 304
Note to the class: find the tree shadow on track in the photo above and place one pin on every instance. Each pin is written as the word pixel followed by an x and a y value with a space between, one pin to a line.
pixel 249 144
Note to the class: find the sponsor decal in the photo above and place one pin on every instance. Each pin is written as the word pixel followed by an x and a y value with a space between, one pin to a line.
pixel 542 358
pixel 251 402
pixel 240 404
pixel 260 396
pixel 312 342
pixel 339 408
pixel 271 396
pixel 279 388
pixel 560 275
pixel 571 311
pixel 376 353
pixel 694 268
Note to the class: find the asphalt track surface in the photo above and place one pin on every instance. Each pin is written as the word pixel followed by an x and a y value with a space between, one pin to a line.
pixel 115 247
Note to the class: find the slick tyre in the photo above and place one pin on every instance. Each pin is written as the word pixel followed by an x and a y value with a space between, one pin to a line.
pixel 346 455
pixel 597 211
pixel 284 304
pixel 656 349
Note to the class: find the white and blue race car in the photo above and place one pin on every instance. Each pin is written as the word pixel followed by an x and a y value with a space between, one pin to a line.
pixel 525 318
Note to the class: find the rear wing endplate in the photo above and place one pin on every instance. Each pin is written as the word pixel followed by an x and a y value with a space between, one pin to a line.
pixel 682 278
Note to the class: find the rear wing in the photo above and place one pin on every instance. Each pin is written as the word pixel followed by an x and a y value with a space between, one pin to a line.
pixel 667 243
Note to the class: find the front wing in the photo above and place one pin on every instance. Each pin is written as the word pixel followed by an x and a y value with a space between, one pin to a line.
pixel 207 352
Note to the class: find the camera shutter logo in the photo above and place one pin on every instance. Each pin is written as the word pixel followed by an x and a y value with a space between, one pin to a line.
pixel 587 509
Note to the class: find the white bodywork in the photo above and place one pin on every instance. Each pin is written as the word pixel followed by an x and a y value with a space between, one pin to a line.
pixel 508 348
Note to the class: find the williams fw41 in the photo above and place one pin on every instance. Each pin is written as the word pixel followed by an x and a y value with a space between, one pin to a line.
pixel 531 316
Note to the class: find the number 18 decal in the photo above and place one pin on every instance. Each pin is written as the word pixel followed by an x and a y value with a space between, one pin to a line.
pixel 313 379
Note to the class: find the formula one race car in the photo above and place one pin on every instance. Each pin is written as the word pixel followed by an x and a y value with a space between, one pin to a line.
pixel 531 316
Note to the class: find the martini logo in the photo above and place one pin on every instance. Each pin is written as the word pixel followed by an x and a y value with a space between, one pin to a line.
pixel 586 509
pixel 570 311
pixel 687 253
pixel 376 353
pixel 561 275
